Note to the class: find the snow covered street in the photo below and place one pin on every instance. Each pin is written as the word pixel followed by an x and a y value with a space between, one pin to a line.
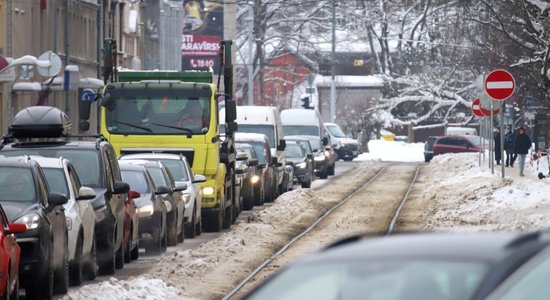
pixel 453 194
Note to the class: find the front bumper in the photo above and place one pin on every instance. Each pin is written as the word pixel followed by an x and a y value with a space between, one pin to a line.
pixel 149 227
pixel 33 261
pixel 347 151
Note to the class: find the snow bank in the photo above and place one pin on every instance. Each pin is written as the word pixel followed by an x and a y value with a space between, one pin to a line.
pixel 139 288
pixel 393 151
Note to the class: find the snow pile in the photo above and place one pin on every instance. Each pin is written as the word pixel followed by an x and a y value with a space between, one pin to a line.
pixel 393 151
pixel 464 197
pixel 139 288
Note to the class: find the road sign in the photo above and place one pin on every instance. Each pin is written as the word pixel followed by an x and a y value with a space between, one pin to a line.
pixel 480 111
pixel 54 68
pixel 3 63
pixel 500 85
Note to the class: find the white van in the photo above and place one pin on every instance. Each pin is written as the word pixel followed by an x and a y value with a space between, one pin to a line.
pixel 265 120
pixel 300 121
pixel 460 131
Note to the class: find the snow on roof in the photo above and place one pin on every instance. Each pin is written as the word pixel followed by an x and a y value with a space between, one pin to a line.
pixel 248 136
pixel 351 81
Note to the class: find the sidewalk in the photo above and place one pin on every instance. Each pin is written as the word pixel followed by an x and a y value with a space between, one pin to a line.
pixel 531 170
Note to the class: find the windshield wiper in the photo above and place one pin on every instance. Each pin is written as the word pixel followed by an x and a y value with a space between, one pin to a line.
pixel 189 131
pixel 134 126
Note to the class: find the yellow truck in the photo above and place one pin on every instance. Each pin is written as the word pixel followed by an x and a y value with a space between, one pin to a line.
pixel 178 112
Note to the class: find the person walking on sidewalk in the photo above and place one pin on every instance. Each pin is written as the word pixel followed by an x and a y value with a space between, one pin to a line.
pixel 523 144
pixel 496 138
pixel 509 147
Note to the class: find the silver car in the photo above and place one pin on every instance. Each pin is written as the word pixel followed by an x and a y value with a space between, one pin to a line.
pixel 182 173
pixel 62 178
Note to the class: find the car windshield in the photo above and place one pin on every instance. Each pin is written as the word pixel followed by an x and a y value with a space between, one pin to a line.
pixel 293 151
pixel 136 180
pixel 260 151
pixel 17 184
pixel 306 146
pixel 177 168
pixel 382 279
pixel 86 162
pixel 268 130
pixel 158 177
pixel 335 131
pixel 315 144
pixel 159 115
pixel 57 181
pixel 300 130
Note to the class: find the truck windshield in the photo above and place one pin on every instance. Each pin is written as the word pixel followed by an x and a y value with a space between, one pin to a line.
pixel 161 115
pixel 335 131
pixel 268 130
pixel 300 130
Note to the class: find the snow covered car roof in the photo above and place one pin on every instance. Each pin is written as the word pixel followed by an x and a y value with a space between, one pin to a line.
pixel 248 136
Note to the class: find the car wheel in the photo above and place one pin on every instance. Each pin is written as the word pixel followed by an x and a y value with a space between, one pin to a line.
pixel 198 227
pixel 15 294
pixel 228 217
pixel 158 242
pixel 323 174
pixel 75 266
pixel 119 257
pixel 90 267
pixel 61 275
pixel 331 170
pixel 164 243
pixel 173 231
pixel 190 228
pixel 134 254
pixel 107 266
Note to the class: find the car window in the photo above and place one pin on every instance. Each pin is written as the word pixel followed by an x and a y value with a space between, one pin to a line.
pixel 158 176
pixel 17 184
pixel 57 182
pixel 177 168
pixel 75 180
pixel 168 177
pixel 294 151
pixel 137 181
pixel 260 151
pixel 268 130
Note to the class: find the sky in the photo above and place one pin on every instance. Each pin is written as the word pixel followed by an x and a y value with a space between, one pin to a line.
pixel 465 197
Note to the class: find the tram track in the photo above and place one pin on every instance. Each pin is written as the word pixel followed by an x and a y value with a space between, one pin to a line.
pixel 384 194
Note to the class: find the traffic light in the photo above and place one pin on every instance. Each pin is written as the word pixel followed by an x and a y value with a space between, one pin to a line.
pixel 305 103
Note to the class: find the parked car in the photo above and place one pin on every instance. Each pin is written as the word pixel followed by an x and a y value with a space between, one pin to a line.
pixel 428 148
pixel 162 177
pixel 63 179
pixel 183 174
pixel 406 266
pixel 265 163
pixel 346 148
pixel 301 162
pixel 96 164
pixel 131 228
pixel 249 173
pixel 151 208
pixel 26 199
pixel 323 159
pixel 10 254
pixel 456 144
pixel 289 170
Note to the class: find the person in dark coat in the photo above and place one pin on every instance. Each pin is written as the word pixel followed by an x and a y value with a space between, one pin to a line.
pixel 523 144
pixel 496 144
pixel 510 147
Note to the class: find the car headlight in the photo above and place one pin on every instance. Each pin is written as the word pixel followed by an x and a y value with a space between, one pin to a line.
pixel 69 224
pixel 255 179
pixel 319 158
pixel 208 191
pixel 145 211
pixel 186 198
pixel 31 220
pixel 327 153
pixel 301 165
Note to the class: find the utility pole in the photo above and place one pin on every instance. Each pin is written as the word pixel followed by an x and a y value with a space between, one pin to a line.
pixel 9 10
pixel 66 38
pixel 250 54
pixel 333 67
pixel 99 38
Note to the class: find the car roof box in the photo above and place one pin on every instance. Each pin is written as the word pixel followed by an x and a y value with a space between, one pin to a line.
pixel 40 122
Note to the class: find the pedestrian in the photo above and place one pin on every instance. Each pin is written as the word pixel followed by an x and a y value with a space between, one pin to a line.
pixel 523 144
pixel 509 147
pixel 496 138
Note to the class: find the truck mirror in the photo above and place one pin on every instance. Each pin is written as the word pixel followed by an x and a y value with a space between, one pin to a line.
pixel 325 141
pixel 232 126
pixel 84 110
pixel 230 111
pixel 84 125
pixel 107 101
pixel 281 146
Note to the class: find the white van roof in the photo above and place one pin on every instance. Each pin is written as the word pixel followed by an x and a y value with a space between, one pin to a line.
pixel 257 114
pixel 300 116
pixel 460 131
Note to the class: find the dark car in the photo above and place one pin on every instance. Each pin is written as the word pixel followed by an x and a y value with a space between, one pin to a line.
pixel 172 195
pixel 265 162
pixel 405 266
pixel 96 164
pixel 301 161
pixel 151 208
pixel 428 148
pixel 249 173
pixel 456 144
pixel 323 157
pixel 10 254
pixel 26 199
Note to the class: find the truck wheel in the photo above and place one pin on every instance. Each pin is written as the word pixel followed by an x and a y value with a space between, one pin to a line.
pixel 228 217
pixel 230 197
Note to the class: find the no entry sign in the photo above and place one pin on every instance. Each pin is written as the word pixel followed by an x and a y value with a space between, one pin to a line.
pixel 500 85
pixel 479 111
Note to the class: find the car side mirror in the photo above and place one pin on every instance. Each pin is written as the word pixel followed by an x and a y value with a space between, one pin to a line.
pixel 199 178
pixel 121 187
pixel 180 186
pixel 281 146
pixel 85 193
pixel 16 228
pixel 239 171
pixel 55 199
pixel 274 161
pixel 309 155
pixel 289 163
pixel 325 141
pixel 162 190
pixel 241 157
pixel 261 166
pixel 315 150
pixel 133 195
pixel 252 162
pixel 328 148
